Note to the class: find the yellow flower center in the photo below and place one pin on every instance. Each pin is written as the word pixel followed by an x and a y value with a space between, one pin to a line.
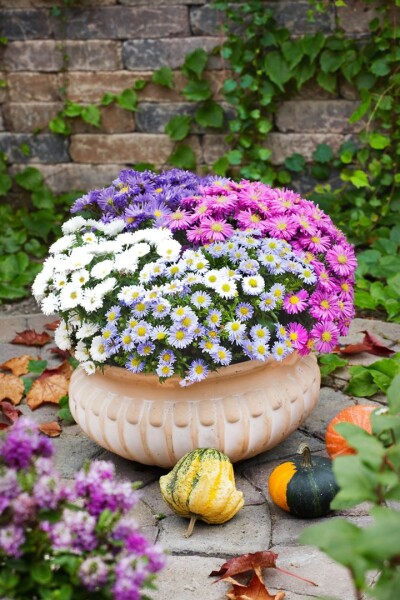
pixel 326 336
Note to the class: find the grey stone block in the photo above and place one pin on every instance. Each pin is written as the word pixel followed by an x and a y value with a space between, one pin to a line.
pixel 46 148
pixel 132 471
pixel 152 117
pixel 150 54
pixel 72 453
pixel 25 24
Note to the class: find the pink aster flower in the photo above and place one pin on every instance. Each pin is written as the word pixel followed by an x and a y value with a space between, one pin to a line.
pixel 222 203
pixel 194 234
pixel 324 306
pixel 247 219
pixel 342 260
pixel 295 302
pixel 325 280
pixel 317 242
pixel 179 219
pixel 215 230
pixel 345 289
pixel 298 335
pixel 346 308
pixel 281 226
pixel 326 335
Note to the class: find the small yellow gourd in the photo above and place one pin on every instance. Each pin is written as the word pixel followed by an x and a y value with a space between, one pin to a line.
pixel 202 486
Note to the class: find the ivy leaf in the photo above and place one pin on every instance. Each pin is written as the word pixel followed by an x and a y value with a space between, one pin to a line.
pixel 277 69
pixel 361 110
pixel 359 179
pixel 304 72
pixel 107 99
pixel 330 362
pixel 29 179
pixel 91 114
pixel 323 153
pixel 331 61
pixel 378 141
pixel 295 162
pixel 234 157
pixel 197 91
pixel 327 81
pixel 195 63
pixel 183 158
pixel 73 109
pixel 178 127
pixel 5 184
pixel 293 52
pixel 221 166
pixel 128 100
pixel 163 76
pixel 210 115
pixel 312 44
pixel 59 125
pixel 380 67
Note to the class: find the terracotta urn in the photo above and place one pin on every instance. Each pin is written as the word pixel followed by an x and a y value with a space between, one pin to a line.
pixel 242 410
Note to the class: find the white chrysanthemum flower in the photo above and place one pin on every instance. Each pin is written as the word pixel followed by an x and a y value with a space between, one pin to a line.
pixel 39 286
pixel 50 265
pixel 253 285
pixel 73 225
pixel 91 300
pixel 60 280
pixel 113 228
pixel 89 237
pixel 78 259
pixel 126 261
pixel 80 277
pixel 70 296
pixel 97 349
pixel 102 269
pixel 61 336
pixel 140 249
pixel 126 239
pixel 50 304
pixel 212 277
pixel 81 352
pixel 169 250
pixel 87 330
pixel 130 293
pixel 200 265
pixel 89 367
pixel 62 244
pixel 105 286
pixel 226 288
pixel 106 247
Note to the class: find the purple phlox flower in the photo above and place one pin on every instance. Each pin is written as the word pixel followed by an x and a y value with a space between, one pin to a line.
pixel 75 532
pixel 48 491
pixel 295 302
pixel 23 509
pixel 342 260
pixel 23 442
pixel 324 306
pixel 9 488
pixel 93 573
pixel 11 539
pixel 326 335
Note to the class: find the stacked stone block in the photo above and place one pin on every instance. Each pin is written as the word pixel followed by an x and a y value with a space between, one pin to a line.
pixel 109 44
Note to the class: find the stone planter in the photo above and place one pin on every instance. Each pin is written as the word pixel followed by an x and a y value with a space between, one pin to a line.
pixel 242 409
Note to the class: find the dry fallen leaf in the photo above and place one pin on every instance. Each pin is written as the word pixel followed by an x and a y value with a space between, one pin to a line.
pixel 9 411
pixel 51 429
pixel 18 365
pixel 370 344
pixel 255 590
pixel 65 368
pixel 30 337
pixel 255 561
pixel 62 353
pixel 11 388
pixel 53 325
pixel 47 389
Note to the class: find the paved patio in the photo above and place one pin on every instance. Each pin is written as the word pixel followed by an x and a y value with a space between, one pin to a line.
pixel 258 526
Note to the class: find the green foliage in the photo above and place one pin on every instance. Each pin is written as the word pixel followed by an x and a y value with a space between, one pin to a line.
pixel 27 231
pixel 164 76
pixel 372 474
pixel 367 381
pixel 330 362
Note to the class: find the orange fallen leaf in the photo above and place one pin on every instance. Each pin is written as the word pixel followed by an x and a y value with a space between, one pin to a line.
pixel 50 428
pixel 53 325
pixel 11 388
pixel 65 368
pixel 30 337
pixel 255 590
pixel 18 365
pixel 9 411
pixel 62 353
pixel 246 562
pixel 47 389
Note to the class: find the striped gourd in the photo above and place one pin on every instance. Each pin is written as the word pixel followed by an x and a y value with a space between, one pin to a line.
pixel 202 486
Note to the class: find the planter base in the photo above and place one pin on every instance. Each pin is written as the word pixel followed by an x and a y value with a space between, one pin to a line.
pixel 242 410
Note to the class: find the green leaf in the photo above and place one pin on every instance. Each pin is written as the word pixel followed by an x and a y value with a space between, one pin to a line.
pixel 29 179
pixel 65 415
pixel 331 61
pixel 163 76
pixel 312 44
pixel 178 127
pixel 304 71
pixel 128 100
pixel 43 198
pixel 197 91
pixel 264 126
pixel 59 125
pixel 361 383
pixel 393 395
pixel 380 67
pixel 328 81
pixel 368 447
pixel 5 184
pixel 378 141
pixel 229 86
pixel 323 153
pixel 195 63
pixel 234 157
pixel 277 69
pixel 37 366
pixel 359 179
pixel 107 99
pixel 11 292
pixel 210 115
pixel 41 573
pixel 140 84
pixel 356 481
pixel 92 115
pixel 295 162
pixel 183 157
pixel 293 52
pixel 73 109
pixel 221 166
pixel 330 362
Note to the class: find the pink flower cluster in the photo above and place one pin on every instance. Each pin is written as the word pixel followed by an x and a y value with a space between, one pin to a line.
pixel 225 206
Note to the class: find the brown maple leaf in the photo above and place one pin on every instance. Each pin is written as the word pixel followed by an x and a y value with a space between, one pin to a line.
pixel 30 337
pixel 50 428
pixel 255 561
pixel 65 368
pixel 53 325
pixel 18 365
pixel 370 344
pixel 11 388
pixel 62 353
pixel 9 411
pixel 47 389
pixel 255 590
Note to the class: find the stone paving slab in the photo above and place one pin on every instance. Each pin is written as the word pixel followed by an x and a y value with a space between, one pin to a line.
pixel 260 525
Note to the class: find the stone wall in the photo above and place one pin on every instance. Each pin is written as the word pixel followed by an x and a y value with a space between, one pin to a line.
pixel 112 43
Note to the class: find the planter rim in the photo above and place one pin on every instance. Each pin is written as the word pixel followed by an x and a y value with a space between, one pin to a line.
pixel 234 370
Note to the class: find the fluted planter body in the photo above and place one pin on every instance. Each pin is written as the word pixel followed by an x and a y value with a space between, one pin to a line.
pixel 242 410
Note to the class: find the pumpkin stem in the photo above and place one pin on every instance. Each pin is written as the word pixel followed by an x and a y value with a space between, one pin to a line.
pixel 191 525
pixel 305 451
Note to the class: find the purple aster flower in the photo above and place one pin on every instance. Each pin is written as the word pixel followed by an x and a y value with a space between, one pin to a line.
pixel 167 357
pixel 198 370
pixel 297 334
pixel 295 302
pixel 324 306
pixel 221 355
pixel 244 311
pixel 326 335
pixel 134 364
pixel 214 230
pixel 179 219
pixel 342 260
pixel 93 573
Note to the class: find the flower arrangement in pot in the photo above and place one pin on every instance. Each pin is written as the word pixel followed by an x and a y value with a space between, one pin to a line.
pixel 178 276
